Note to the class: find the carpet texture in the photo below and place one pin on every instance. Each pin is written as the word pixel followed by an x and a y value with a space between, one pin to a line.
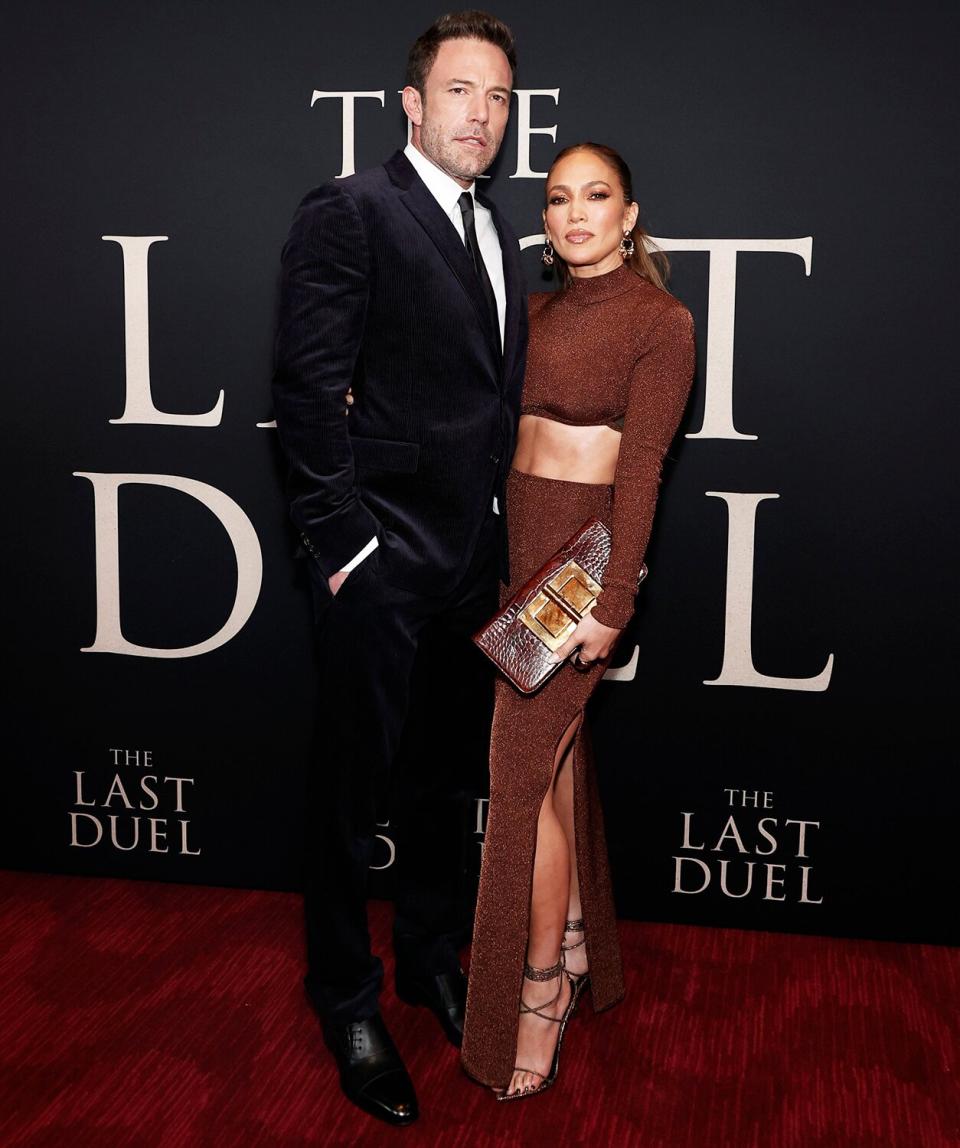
pixel 140 1015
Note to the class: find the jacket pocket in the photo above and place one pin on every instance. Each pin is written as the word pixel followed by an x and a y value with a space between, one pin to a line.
pixel 386 454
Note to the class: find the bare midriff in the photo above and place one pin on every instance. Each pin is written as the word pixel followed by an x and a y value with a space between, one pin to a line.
pixel 570 453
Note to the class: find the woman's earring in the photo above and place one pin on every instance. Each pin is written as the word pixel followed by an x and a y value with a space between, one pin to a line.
pixel 627 246
pixel 547 254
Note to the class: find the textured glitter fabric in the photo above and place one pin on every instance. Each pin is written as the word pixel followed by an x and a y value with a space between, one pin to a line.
pixel 543 513
pixel 607 348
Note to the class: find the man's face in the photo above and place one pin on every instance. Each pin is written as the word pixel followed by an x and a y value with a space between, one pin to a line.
pixel 460 121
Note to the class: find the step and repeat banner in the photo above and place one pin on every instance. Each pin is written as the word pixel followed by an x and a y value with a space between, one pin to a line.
pixel 775 745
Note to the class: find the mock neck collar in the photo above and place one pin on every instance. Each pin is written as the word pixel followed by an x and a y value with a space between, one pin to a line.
pixel 592 288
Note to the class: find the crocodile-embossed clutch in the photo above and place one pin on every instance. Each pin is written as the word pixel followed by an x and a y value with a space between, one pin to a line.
pixel 540 617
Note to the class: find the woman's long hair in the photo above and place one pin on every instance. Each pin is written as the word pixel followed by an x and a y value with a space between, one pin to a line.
pixel 647 260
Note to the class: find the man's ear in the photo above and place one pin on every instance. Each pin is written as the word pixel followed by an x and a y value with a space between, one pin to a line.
pixel 413 105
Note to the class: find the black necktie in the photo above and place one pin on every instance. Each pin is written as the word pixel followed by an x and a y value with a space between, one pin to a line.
pixel 473 249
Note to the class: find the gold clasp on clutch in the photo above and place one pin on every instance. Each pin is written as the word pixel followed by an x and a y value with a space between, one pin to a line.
pixel 566 598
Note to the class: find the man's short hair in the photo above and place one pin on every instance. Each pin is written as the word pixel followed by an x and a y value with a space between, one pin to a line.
pixel 470 25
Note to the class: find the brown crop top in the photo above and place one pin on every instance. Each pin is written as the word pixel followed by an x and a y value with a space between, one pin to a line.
pixel 614 350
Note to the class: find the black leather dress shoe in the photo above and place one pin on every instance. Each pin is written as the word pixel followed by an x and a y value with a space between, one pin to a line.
pixel 371 1071
pixel 444 994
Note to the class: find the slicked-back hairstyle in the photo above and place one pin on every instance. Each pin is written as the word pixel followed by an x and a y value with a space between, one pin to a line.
pixel 469 25
pixel 647 260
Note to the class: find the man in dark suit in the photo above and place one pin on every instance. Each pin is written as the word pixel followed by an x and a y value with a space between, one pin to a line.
pixel 401 285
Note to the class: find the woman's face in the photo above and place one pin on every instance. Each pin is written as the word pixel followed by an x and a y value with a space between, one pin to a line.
pixel 586 214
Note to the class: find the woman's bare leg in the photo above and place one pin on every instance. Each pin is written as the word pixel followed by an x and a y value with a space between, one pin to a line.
pixel 536 1037
pixel 576 958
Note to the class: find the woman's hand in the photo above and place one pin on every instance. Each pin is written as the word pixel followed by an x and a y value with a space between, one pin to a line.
pixel 594 639
pixel 335 581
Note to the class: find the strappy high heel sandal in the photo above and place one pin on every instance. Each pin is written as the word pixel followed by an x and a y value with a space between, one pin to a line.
pixel 580 982
pixel 540 975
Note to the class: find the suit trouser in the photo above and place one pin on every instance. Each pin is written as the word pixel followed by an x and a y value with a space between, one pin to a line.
pixel 405 708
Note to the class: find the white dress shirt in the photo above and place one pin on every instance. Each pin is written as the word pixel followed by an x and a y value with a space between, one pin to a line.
pixel 446 191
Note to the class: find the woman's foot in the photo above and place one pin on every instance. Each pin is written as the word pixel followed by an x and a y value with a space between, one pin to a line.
pixel 544 1007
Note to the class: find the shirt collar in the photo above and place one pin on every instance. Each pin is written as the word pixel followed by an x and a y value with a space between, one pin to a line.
pixel 444 188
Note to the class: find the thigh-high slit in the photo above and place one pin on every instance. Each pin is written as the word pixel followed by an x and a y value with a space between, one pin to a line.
pixel 527 730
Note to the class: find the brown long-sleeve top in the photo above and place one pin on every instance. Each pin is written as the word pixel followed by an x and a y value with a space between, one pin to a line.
pixel 614 350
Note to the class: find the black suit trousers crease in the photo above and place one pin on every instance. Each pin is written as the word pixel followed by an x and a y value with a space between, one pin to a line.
pixel 404 722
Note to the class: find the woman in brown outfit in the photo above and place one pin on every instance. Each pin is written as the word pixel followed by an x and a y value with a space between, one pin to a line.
pixel 609 368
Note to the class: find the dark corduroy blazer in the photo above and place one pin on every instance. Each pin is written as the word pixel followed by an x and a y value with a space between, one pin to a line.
pixel 379 294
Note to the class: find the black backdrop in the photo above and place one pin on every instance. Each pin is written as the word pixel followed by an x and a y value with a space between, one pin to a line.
pixel 828 123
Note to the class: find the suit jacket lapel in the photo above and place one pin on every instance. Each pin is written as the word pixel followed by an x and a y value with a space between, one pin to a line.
pixel 513 282
pixel 428 213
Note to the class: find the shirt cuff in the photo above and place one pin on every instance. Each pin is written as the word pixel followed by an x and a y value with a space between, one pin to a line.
pixel 358 558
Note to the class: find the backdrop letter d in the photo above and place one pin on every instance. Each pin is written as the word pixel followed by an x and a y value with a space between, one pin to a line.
pixel 239 528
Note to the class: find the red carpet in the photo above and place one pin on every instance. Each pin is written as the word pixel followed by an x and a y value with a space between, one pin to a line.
pixel 147 1015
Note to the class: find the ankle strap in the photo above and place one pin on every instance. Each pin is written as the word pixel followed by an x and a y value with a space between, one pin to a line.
pixel 574 926
pixel 533 974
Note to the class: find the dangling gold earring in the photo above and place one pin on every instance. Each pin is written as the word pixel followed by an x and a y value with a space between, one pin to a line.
pixel 546 256
pixel 627 246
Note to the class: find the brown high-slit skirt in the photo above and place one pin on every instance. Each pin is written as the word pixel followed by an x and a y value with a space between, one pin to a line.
pixel 542 514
